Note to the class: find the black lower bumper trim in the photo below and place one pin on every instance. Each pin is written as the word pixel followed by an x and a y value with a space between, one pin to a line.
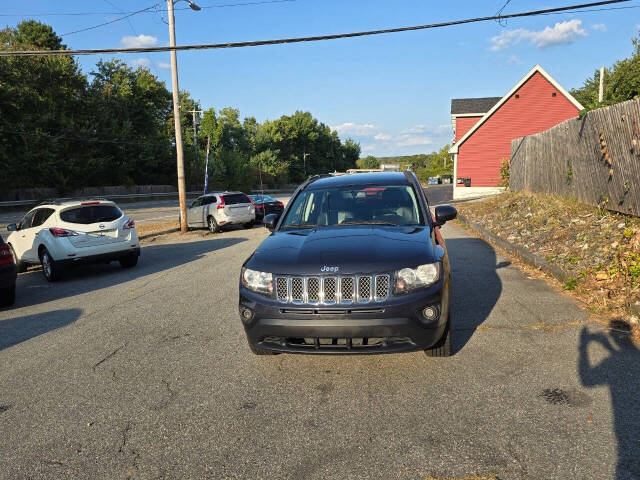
pixel 103 258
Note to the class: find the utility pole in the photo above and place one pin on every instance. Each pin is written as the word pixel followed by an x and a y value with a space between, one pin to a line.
pixel 304 161
pixel 601 90
pixel 182 197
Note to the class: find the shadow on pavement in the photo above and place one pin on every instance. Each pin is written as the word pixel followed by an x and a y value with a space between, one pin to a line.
pixel 620 371
pixel 475 286
pixel 33 289
pixel 16 330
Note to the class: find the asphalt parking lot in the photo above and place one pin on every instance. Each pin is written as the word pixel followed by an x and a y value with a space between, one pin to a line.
pixel 145 373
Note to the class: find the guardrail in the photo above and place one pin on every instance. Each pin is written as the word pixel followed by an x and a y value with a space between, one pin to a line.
pixel 150 196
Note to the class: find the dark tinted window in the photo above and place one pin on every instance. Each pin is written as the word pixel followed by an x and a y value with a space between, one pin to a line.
pixel 209 200
pixel 41 216
pixel 395 205
pixel 91 214
pixel 235 198
pixel 27 219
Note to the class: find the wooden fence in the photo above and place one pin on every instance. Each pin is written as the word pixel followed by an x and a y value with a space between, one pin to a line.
pixel 595 159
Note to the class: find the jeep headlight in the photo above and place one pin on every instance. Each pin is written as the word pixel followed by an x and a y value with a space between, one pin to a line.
pixel 261 282
pixel 409 279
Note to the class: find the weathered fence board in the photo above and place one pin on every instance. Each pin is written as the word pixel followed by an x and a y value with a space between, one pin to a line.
pixel 595 159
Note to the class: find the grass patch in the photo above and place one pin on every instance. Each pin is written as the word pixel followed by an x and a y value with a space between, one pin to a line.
pixel 151 228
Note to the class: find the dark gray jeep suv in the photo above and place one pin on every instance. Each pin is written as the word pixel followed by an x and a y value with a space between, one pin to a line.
pixel 355 264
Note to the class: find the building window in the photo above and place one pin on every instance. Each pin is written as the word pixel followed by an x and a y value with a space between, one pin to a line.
pixel 553 94
pixel 517 95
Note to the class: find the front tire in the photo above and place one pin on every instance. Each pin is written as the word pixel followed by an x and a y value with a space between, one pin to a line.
pixel 8 296
pixel 50 267
pixel 129 261
pixel 443 347
pixel 213 225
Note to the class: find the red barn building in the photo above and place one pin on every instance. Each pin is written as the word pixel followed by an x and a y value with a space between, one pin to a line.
pixel 484 128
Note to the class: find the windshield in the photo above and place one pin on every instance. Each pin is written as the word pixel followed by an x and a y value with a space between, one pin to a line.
pixel 366 205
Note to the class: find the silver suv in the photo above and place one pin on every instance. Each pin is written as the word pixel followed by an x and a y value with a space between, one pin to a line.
pixel 216 210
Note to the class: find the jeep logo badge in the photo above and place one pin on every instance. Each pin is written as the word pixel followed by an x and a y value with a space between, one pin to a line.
pixel 329 269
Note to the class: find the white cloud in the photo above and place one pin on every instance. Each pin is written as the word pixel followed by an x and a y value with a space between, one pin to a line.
pixel 368 147
pixel 413 140
pixel 430 129
pixel 561 32
pixel 600 27
pixel 514 60
pixel 141 62
pixel 383 136
pixel 141 40
pixel 350 128
pixel 163 65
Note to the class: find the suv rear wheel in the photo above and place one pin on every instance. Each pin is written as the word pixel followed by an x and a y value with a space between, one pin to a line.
pixel 213 225
pixel 129 261
pixel 50 267
pixel 443 347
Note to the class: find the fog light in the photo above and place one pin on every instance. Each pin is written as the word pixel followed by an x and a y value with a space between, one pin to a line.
pixel 247 314
pixel 430 313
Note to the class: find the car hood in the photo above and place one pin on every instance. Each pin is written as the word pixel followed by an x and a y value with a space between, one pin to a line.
pixel 358 249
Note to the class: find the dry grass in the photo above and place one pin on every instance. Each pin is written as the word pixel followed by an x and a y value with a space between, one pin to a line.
pixel 599 250
pixel 150 228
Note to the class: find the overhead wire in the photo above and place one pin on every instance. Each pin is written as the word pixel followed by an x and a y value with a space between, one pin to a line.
pixel 280 41
pixel 111 21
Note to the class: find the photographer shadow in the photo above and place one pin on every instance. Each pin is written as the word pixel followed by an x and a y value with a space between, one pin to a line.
pixel 620 371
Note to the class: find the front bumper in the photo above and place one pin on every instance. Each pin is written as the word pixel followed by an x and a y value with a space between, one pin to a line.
pixel 8 274
pixel 396 325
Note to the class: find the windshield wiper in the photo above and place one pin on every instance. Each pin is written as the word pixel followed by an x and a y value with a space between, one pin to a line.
pixel 301 225
pixel 370 222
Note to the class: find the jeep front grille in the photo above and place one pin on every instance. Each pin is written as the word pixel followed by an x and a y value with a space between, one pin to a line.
pixel 332 290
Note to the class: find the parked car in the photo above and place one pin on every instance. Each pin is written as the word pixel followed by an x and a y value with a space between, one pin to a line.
pixel 266 204
pixel 355 264
pixel 64 233
pixel 8 273
pixel 220 209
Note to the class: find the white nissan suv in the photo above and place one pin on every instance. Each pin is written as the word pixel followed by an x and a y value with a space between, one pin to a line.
pixel 60 234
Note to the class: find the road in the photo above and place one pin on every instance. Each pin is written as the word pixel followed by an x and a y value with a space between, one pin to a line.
pixel 145 373
pixel 167 210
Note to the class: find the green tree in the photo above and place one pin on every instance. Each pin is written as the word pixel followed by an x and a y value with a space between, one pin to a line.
pixel 368 162
pixel 621 82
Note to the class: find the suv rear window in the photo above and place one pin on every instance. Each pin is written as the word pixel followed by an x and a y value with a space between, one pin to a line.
pixel 236 198
pixel 92 214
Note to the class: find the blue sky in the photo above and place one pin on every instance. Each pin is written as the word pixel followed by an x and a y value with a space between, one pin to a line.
pixel 391 92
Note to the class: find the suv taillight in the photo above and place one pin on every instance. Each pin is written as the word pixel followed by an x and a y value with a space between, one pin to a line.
pixel 129 224
pixel 221 204
pixel 5 255
pixel 62 232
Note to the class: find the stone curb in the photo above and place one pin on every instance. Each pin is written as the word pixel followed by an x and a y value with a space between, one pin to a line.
pixel 157 234
pixel 525 255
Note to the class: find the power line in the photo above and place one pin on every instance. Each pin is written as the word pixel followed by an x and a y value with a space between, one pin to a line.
pixel 111 21
pixel 213 46
pixel 87 14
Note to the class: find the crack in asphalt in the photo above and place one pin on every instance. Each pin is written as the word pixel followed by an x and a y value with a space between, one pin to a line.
pixel 171 395
pixel 110 355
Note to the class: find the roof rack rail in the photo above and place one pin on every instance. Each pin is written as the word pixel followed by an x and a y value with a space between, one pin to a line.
pixel 59 201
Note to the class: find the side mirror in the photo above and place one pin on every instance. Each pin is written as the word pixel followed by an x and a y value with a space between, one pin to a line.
pixel 270 221
pixel 444 213
pixel 12 227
